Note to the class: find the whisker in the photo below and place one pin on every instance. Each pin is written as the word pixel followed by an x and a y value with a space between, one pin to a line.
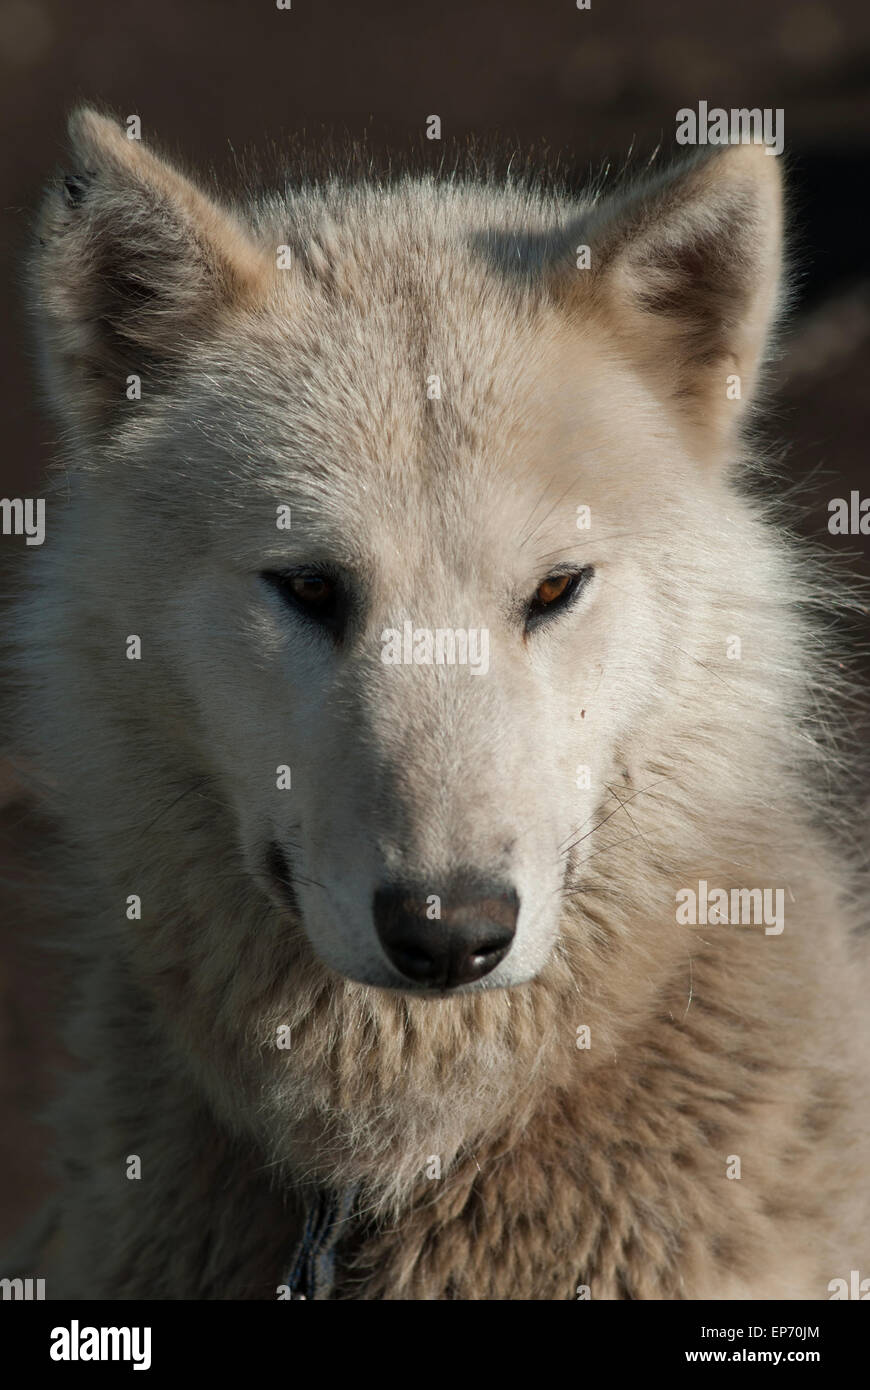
pixel 622 804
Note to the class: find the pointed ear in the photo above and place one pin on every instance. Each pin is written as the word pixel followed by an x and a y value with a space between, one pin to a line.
pixel 685 272
pixel 133 264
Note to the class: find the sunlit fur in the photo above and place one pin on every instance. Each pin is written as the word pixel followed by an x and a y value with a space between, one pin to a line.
pixel 606 388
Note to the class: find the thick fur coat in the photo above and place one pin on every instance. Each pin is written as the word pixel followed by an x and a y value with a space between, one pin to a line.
pixel 607 761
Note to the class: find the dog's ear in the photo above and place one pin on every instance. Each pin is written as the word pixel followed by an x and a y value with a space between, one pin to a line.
pixel 133 263
pixel 685 272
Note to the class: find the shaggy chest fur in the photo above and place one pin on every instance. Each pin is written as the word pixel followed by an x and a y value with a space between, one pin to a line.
pixel 521 1167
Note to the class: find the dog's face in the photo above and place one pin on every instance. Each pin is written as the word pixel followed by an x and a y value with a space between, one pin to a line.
pixel 415 694
pixel 411 576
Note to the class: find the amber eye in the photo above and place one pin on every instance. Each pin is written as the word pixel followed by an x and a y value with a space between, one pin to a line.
pixel 555 593
pixel 552 588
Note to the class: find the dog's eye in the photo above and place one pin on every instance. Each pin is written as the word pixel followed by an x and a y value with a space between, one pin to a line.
pixel 314 590
pixel 552 589
pixel 554 594
pixel 317 596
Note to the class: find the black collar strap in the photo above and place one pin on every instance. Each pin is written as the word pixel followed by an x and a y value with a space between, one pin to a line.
pixel 312 1270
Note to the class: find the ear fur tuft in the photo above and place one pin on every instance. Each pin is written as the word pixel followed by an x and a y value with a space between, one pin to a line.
pixel 686 275
pixel 133 263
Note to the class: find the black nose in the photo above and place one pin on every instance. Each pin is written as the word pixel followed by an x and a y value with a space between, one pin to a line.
pixel 469 938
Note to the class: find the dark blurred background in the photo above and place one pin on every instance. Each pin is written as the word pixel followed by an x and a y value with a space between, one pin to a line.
pixel 212 77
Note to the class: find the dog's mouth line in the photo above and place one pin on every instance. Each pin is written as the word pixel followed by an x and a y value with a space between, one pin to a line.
pixel 283 879
pixel 280 875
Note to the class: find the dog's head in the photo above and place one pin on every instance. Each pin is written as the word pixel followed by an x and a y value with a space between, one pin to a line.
pixel 398 485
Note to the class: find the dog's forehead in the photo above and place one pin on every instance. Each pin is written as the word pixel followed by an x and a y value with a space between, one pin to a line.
pixel 455 438
pixel 404 385
pixel 370 386
pixel 444 356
